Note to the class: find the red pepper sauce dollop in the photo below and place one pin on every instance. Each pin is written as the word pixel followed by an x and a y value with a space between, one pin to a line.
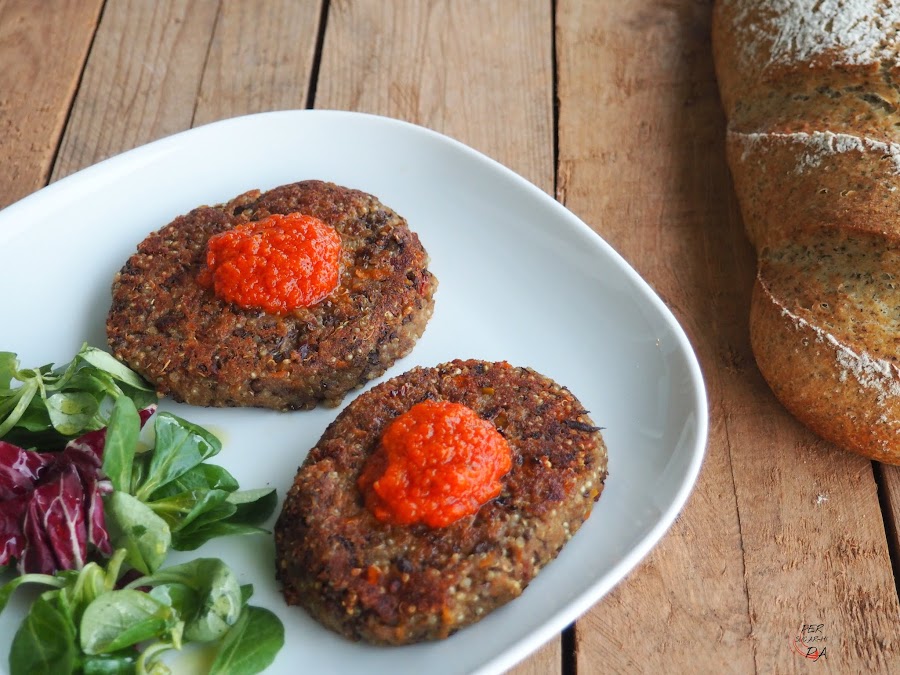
pixel 436 463
pixel 277 264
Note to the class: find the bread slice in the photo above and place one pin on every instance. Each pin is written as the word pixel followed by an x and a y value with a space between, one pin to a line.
pixel 825 330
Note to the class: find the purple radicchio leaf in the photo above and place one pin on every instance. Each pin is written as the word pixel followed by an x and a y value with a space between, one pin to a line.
pixel 82 457
pixel 88 466
pixel 97 534
pixel 88 445
pixel 92 442
pixel 55 525
pixel 36 553
pixel 146 413
pixel 19 470
pixel 51 506
pixel 86 453
pixel 11 536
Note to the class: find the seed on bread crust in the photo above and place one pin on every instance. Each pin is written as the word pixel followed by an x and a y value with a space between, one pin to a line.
pixel 394 584
pixel 823 327
pixel 203 350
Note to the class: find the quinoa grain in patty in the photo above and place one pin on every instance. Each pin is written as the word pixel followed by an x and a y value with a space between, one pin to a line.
pixel 395 584
pixel 200 349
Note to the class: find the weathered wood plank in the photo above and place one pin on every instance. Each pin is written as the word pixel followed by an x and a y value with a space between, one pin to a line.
pixel 783 530
pixel 888 479
pixel 141 81
pixel 422 62
pixel 260 59
pixel 490 88
pixel 43 47
pixel 640 159
pixel 159 68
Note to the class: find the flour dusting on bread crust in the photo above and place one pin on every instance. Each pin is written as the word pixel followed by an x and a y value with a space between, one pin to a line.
pixel 819 145
pixel 870 372
pixel 859 394
pixel 851 32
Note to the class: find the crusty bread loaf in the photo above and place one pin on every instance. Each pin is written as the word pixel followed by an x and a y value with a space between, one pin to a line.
pixel 811 90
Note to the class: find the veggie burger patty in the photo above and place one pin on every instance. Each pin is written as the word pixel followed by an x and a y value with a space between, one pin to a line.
pixel 176 331
pixel 392 583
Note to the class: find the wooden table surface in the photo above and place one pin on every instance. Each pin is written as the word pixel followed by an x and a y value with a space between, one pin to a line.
pixel 610 106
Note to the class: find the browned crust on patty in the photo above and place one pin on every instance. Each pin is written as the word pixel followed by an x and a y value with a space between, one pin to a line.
pixel 206 351
pixel 393 584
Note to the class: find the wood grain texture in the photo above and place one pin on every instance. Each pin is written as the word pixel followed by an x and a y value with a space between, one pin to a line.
pixel 888 479
pixel 782 529
pixel 42 48
pixel 260 59
pixel 141 80
pixel 163 67
pixel 490 88
pixel 641 159
pixel 816 547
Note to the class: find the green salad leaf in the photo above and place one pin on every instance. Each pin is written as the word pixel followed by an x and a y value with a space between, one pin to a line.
pixel 45 642
pixel 169 496
pixel 86 623
pixel 216 588
pixel 251 645
pixel 121 443
pixel 45 407
pixel 153 499
pixel 117 620
pixel 134 526
pixel 180 446
pixel 122 663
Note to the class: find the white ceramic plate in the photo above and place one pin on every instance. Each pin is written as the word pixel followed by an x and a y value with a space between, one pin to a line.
pixel 521 279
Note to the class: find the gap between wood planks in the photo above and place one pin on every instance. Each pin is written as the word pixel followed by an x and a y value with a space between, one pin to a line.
pixel 555 70
pixel 890 523
pixel 59 139
pixel 209 44
pixel 317 55
pixel 314 67
pixel 568 656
